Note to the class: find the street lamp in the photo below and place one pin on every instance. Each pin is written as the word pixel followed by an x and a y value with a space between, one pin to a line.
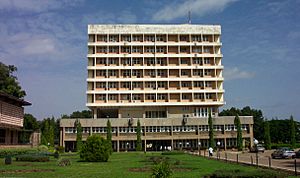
pixel 218 144
pixel 199 151
pixel 256 151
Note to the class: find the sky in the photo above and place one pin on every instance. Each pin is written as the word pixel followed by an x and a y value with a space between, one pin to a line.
pixel 47 41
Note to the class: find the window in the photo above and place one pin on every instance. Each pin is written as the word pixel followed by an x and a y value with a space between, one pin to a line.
pixel 67 130
pixel 150 96
pixel 136 60
pixel 125 49
pixel 101 97
pixel 125 97
pixel 197 50
pixel 101 38
pixel 150 61
pixel 113 38
pixel 205 38
pixel 156 114
pixel 126 38
pixel 136 49
pixel 101 85
pixel 113 49
pixel 136 38
pixel 185 84
pixel 150 38
pixel 3 134
pixel 185 96
pixel 101 49
pixel 112 84
pixel 112 73
pixel 206 61
pixel 126 73
pixel 160 49
pixel 101 73
pixel 198 84
pixel 151 73
pixel 125 84
pixel 161 84
pixel 149 49
pixel 136 84
pixel 126 61
pixel 112 97
pixel 161 96
pixel 159 38
pixel 207 72
pixel 184 61
pixel 207 50
pixel 161 73
pixel 199 96
pixel 101 61
pixel 161 61
pixel 208 84
pixel 151 85
pixel 112 60
pixel 197 72
pixel 196 38
pixel 136 73
pixel 136 97
pixel 201 112
pixel 209 95
pixel 197 61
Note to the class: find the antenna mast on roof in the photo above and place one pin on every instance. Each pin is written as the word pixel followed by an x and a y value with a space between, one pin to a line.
pixel 189 16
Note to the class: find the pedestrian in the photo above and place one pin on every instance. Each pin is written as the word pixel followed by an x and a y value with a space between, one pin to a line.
pixel 210 151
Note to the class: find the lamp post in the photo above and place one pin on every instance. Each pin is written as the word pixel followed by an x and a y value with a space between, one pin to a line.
pixel 256 151
pixel 199 150
pixel 218 144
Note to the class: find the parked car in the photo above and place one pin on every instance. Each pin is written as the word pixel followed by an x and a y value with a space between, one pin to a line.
pixel 258 148
pixel 298 154
pixel 283 153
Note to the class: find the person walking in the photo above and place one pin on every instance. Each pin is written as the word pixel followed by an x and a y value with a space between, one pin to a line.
pixel 210 151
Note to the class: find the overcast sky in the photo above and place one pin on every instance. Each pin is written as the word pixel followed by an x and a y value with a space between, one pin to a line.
pixel 47 41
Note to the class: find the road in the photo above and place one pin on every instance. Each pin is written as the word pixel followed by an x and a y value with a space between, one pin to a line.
pixel 264 159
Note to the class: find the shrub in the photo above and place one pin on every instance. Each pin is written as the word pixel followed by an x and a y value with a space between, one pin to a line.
pixel 60 149
pixel 43 148
pixel 64 162
pixel 56 155
pixel 95 149
pixel 8 160
pixel 33 158
pixel 161 170
pixel 14 152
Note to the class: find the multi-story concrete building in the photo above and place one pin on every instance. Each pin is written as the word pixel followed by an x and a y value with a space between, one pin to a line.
pixel 167 76
pixel 11 119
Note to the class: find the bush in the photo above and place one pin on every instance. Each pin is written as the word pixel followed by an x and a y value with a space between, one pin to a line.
pixel 8 160
pixel 161 170
pixel 56 155
pixel 95 149
pixel 64 162
pixel 33 158
pixel 43 148
pixel 60 149
pixel 15 152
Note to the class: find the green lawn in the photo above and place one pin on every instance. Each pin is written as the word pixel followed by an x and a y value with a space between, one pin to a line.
pixel 131 165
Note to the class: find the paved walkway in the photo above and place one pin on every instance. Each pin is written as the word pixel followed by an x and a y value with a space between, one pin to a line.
pixel 262 159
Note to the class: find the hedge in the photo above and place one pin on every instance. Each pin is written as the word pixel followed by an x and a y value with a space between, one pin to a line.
pixel 16 151
pixel 33 158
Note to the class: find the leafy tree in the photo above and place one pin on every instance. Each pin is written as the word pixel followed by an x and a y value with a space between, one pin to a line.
pixel 292 132
pixel 47 127
pixel 78 114
pixel 78 135
pixel 30 125
pixel 138 136
pixel 8 82
pixel 279 130
pixel 239 137
pixel 95 149
pixel 109 135
pixel 211 130
pixel 45 133
pixel 267 137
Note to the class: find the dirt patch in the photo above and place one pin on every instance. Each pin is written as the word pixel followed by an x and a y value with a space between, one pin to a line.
pixel 140 169
pixel 25 171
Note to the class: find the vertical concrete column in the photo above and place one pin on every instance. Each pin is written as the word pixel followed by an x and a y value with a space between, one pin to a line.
pixel 91 130
pixel 95 113
pixel 118 146
pixel 61 136
pixel 251 134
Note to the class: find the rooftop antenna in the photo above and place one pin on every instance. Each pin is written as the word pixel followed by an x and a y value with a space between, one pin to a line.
pixel 189 16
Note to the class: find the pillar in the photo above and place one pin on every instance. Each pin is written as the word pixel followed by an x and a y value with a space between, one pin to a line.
pixel 95 113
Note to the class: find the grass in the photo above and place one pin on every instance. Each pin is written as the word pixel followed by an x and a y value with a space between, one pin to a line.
pixel 132 164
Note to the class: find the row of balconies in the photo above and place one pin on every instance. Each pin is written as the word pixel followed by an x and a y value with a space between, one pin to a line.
pixel 155 73
pixel 206 61
pixel 160 85
pixel 152 49
pixel 154 38
pixel 159 97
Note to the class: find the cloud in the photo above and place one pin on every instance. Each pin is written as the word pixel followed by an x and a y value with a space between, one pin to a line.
pixel 235 74
pixel 197 8
pixel 36 5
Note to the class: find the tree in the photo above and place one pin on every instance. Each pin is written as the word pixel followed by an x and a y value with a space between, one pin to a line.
pixel 292 132
pixel 109 135
pixel 78 135
pixel 8 82
pixel 267 137
pixel 211 130
pixel 45 132
pixel 30 125
pixel 138 136
pixel 239 136
pixel 95 149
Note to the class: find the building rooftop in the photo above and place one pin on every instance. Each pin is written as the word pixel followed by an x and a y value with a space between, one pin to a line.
pixel 153 28
pixel 12 99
